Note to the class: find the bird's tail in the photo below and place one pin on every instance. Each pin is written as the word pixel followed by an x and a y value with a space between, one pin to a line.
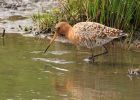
pixel 122 34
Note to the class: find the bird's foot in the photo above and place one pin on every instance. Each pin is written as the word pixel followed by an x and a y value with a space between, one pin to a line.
pixel 91 58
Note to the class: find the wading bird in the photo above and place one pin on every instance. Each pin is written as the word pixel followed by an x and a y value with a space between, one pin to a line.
pixel 87 34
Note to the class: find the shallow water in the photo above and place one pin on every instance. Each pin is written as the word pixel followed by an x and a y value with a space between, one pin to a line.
pixel 63 74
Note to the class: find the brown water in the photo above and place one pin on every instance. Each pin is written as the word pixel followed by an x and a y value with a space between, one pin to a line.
pixel 63 74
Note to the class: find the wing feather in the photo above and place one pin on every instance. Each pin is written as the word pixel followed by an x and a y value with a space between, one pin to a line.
pixel 93 34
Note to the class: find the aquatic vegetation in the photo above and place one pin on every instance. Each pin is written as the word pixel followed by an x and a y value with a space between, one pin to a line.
pixel 45 20
pixel 121 14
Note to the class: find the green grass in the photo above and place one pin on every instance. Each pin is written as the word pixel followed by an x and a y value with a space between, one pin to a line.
pixel 45 20
pixel 122 14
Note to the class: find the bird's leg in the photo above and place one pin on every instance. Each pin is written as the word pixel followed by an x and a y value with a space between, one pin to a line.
pixel 91 58
pixel 3 35
pixel 112 43
pixel 105 52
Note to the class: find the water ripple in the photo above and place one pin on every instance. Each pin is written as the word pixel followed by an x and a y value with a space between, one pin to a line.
pixel 36 52
pixel 59 52
pixel 61 69
pixel 53 60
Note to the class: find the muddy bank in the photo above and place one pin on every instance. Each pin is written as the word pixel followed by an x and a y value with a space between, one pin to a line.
pixel 15 15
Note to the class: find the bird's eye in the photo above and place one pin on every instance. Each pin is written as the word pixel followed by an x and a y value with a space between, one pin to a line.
pixel 58 28
pixel 62 34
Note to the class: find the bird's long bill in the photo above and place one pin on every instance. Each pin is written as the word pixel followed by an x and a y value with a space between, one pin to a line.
pixel 54 37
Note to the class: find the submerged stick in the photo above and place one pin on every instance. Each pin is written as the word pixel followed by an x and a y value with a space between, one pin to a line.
pixel 3 34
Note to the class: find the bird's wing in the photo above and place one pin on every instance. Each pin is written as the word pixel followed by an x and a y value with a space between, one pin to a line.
pixel 88 29
pixel 94 30
pixel 92 34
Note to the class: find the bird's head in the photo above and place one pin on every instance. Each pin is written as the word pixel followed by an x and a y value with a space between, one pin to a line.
pixel 61 29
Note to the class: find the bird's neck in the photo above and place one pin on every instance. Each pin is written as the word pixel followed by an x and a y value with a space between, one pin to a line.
pixel 70 34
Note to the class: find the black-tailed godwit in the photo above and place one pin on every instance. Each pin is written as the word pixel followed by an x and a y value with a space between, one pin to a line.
pixel 87 34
